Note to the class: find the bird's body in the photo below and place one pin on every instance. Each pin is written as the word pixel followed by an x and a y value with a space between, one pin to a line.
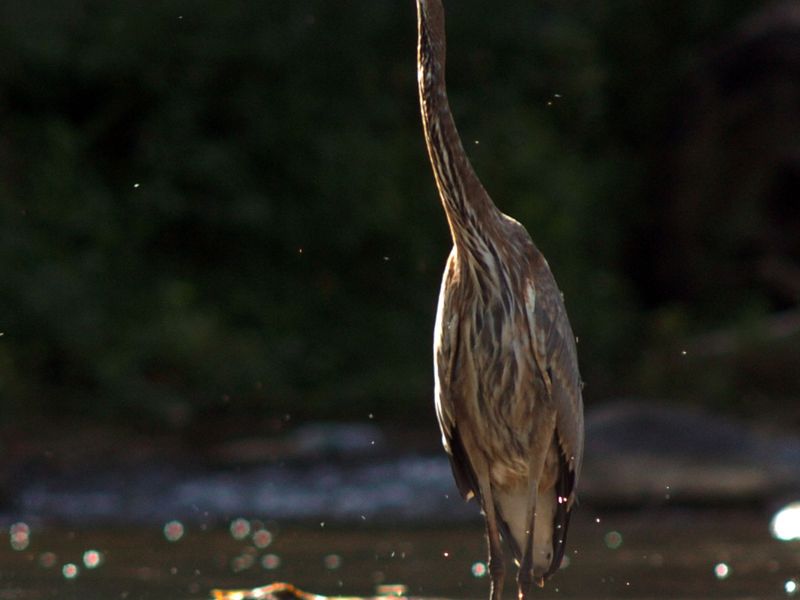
pixel 507 387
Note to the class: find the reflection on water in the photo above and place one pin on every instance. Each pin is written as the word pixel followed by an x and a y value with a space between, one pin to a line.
pixel 669 554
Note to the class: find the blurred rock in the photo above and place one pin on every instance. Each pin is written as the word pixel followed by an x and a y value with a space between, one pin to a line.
pixel 637 453
pixel 640 452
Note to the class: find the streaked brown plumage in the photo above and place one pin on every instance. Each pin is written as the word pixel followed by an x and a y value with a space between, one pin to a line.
pixel 508 391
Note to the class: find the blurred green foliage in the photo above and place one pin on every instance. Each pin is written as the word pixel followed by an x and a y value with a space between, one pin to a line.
pixel 216 206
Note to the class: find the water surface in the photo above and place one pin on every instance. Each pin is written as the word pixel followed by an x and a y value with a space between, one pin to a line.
pixel 660 554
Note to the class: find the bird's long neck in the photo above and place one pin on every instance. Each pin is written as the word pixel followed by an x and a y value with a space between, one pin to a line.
pixel 470 211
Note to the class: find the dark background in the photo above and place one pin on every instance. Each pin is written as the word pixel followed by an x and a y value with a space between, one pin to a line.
pixel 218 211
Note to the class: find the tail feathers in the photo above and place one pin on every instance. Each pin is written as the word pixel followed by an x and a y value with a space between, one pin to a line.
pixel 552 510
pixel 511 508
pixel 550 528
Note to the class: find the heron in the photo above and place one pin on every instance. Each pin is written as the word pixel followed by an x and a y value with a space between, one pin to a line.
pixel 508 392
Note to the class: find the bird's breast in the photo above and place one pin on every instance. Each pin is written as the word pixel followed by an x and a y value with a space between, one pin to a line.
pixel 500 388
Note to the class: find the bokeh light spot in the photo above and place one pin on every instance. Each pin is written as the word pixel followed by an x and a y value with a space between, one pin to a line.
pixel 240 528
pixel 242 562
pixel 20 536
pixel 70 571
pixel 92 559
pixel 47 560
pixel 262 538
pixel 271 561
pixel 785 525
pixel 722 571
pixel 173 531
pixel 478 569
pixel 613 539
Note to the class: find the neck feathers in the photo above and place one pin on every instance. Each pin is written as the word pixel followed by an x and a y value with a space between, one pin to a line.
pixel 467 205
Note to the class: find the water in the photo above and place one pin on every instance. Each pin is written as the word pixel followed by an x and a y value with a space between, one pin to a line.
pixel 664 554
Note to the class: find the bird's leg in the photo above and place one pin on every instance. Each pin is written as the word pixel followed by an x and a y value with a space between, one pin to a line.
pixel 539 450
pixel 525 578
pixel 497 568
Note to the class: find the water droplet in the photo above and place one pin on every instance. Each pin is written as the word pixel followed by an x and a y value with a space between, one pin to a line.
pixel 478 569
pixel 135 185
pixel 240 528
pixel 92 559
pixel 173 531
pixel 790 587
pixel 332 561
pixel 70 571
pixel 722 571
pixel 785 525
